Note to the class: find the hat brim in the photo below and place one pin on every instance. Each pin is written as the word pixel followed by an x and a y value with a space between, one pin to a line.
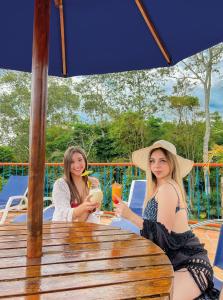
pixel 141 159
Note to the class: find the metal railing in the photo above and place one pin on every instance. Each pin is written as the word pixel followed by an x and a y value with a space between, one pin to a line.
pixel 201 205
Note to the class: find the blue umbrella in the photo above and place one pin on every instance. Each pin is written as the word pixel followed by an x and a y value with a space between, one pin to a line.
pixel 94 37
pixel 103 36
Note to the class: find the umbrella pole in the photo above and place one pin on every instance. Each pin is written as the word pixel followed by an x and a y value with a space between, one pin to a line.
pixel 37 126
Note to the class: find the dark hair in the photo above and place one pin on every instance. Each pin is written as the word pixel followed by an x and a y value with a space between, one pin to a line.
pixel 67 175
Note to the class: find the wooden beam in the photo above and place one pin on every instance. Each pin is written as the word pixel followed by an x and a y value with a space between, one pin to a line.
pixel 59 5
pixel 153 31
pixel 37 126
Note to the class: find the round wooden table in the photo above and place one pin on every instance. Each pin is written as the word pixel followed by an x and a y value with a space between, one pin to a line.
pixel 83 261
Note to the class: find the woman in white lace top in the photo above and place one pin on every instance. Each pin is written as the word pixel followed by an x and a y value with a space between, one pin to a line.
pixel 71 193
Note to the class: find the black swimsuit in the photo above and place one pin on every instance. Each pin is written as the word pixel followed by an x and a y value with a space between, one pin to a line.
pixel 183 249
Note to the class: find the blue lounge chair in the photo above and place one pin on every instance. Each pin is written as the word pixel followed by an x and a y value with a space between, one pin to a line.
pixel 136 196
pixel 125 224
pixel 135 202
pixel 13 195
pixel 47 213
pixel 218 261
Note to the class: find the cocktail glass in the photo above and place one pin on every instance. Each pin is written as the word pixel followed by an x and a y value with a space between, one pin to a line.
pixel 116 193
pixel 97 196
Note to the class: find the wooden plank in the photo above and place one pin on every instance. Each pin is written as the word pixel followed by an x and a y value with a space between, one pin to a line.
pixel 72 240
pixel 58 225
pixel 84 267
pixel 84 280
pixel 84 262
pixel 81 247
pixel 74 256
pixel 47 236
pixel 59 229
pixel 13 226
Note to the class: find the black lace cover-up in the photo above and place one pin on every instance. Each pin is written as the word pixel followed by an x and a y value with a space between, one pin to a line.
pixel 183 249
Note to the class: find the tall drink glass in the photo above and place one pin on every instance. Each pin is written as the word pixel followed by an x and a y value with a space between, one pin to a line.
pixel 116 192
pixel 97 196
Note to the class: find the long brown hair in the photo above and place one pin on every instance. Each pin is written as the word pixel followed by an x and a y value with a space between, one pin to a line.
pixel 175 175
pixel 67 175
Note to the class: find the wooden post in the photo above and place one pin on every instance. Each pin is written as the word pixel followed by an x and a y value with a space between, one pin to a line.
pixel 37 126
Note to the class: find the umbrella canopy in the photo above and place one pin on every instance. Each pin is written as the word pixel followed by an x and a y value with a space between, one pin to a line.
pixel 110 36
pixel 93 37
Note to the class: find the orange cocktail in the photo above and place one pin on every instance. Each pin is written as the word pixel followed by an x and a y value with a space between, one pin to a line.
pixel 116 192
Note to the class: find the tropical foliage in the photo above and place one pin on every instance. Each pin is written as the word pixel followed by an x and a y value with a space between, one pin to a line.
pixel 112 115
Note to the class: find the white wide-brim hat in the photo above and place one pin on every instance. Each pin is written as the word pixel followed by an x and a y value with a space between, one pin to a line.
pixel 141 157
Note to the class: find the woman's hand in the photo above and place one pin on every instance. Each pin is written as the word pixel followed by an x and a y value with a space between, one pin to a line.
pixel 89 204
pixel 82 211
pixel 94 181
pixel 122 209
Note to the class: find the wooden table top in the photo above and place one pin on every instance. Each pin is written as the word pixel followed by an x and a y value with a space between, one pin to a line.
pixel 83 261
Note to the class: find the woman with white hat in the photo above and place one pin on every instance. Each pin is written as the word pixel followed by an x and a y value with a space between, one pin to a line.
pixel 165 220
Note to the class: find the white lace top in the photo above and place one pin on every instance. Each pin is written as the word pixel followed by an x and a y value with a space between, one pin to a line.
pixel 61 200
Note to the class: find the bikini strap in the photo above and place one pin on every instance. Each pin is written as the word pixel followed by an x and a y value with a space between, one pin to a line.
pixel 178 202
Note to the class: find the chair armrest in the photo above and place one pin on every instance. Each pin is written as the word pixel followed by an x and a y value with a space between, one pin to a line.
pixel 8 206
pixel 12 198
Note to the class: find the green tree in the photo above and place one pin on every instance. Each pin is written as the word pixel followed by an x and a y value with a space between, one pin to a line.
pixel 63 104
pixel 129 133
pixel 187 132
pixel 185 107
pixel 20 142
pixel 198 70
pixel 6 154
pixel 94 94
pixel 109 95
pixel 216 129
pixel 187 138
pixel 85 136
pixel 14 104
pixel 136 91
pixel 156 130
pixel 105 148
pixel 58 138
